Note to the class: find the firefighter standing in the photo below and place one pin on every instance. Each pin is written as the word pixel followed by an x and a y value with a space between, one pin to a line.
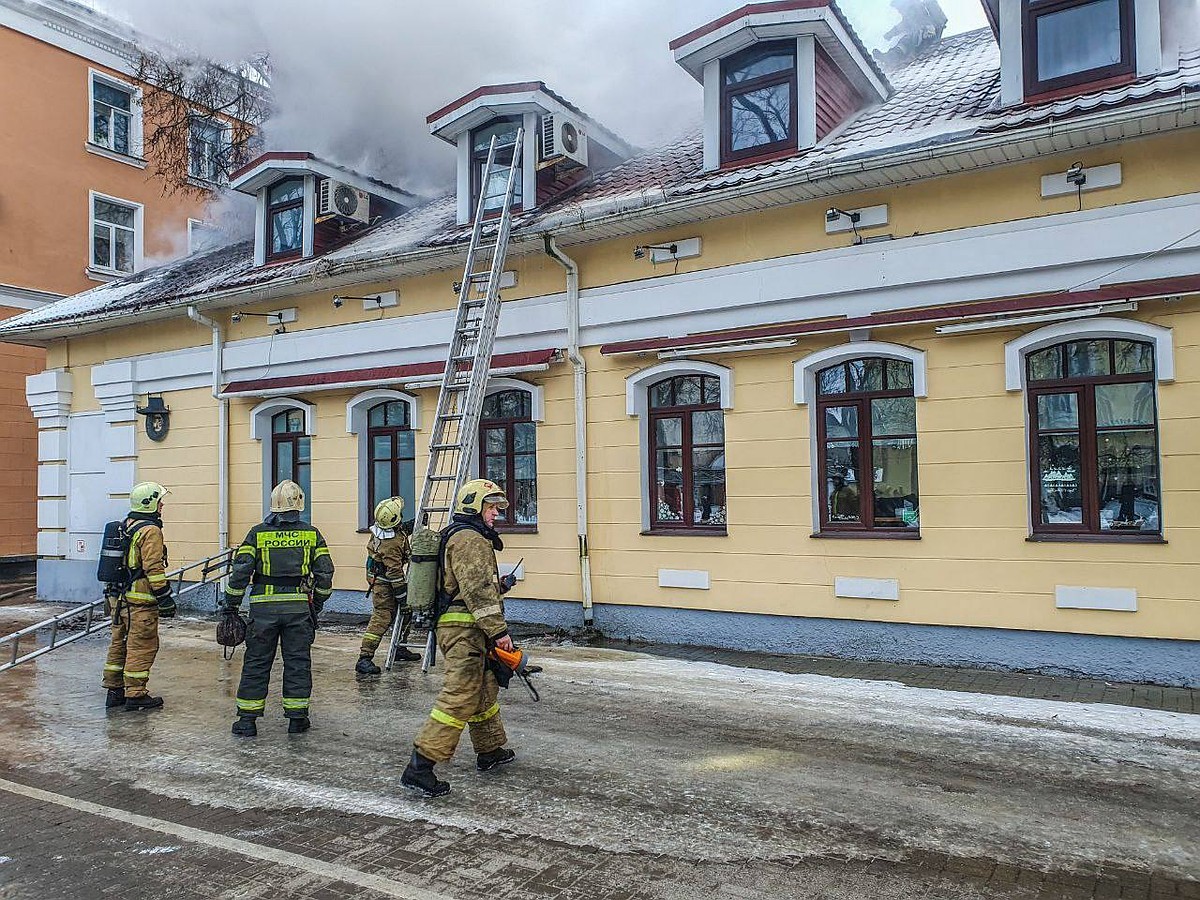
pixel 471 622
pixel 387 556
pixel 135 620
pixel 277 559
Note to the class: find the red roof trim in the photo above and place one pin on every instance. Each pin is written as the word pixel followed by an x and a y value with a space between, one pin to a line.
pixel 268 157
pixel 485 91
pixel 381 373
pixel 1132 291
pixel 751 9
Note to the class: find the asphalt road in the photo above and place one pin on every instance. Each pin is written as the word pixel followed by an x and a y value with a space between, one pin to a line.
pixel 637 777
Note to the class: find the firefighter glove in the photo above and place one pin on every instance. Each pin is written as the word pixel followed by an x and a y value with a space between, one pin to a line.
pixel 166 602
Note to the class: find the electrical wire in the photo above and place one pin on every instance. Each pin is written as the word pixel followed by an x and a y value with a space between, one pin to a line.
pixel 1130 265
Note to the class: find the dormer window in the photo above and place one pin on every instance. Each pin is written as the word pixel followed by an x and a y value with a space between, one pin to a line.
pixel 285 219
pixel 493 183
pixel 758 101
pixel 1075 42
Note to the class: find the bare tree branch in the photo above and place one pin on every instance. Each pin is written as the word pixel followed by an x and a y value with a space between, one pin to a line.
pixel 202 120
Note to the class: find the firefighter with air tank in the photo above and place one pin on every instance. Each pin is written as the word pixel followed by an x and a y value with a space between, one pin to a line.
pixel 470 623
pixel 281 559
pixel 387 557
pixel 141 596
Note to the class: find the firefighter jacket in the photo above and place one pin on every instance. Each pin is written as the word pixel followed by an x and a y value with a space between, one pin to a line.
pixel 147 561
pixel 388 554
pixel 471 578
pixel 278 559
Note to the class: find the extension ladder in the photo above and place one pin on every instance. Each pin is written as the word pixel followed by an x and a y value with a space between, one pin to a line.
pixel 464 381
pixel 68 627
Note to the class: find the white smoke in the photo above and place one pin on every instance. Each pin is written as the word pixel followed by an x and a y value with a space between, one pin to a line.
pixel 354 80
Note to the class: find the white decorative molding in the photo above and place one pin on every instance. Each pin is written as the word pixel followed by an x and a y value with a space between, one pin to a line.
pixel 260 416
pixel 52 480
pixel 52 445
pixel 14 297
pixel 1111 599
pixel 637 384
pixel 804 371
pixel 687 579
pixel 52 513
pixel 358 407
pixel 866 588
pixel 115 385
pixel 120 442
pixel 1017 349
pixel 49 397
pixel 52 544
pixel 537 394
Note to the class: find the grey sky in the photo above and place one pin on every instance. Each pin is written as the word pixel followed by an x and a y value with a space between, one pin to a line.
pixel 355 79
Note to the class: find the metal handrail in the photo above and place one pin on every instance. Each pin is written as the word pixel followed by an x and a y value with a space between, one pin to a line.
pixel 218 562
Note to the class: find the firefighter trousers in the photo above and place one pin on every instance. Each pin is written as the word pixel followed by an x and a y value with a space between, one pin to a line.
pixel 468 698
pixel 132 649
pixel 288 628
pixel 385 606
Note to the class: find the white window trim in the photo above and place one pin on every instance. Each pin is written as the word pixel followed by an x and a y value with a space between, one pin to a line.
pixel 356 423
pixel 192 226
pixel 136 144
pixel 138 233
pixel 227 140
pixel 804 373
pixel 1017 349
pixel 307 226
pixel 637 403
pixel 260 430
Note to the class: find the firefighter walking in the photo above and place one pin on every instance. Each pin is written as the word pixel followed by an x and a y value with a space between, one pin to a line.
pixel 138 608
pixel 278 560
pixel 387 557
pixel 471 620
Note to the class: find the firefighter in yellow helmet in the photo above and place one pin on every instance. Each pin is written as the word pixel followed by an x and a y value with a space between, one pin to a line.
pixel 138 608
pixel 471 621
pixel 387 557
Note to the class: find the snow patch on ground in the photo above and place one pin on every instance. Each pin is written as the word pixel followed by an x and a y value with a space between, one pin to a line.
pixel 157 851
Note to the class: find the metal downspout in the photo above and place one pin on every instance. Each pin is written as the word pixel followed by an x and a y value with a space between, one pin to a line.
pixel 222 427
pixel 580 392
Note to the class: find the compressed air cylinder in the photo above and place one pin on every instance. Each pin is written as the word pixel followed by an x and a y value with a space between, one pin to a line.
pixel 423 570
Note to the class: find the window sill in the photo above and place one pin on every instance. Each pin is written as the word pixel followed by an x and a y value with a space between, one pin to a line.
pixel 96 150
pixel 685 532
pixel 867 535
pixel 1084 86
pixel 105 276
pixel 516 529
pixel 759 159
pixel 1067 538
pixel 204 184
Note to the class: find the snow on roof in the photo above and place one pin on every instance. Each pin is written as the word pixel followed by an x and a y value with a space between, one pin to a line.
pixel 947 94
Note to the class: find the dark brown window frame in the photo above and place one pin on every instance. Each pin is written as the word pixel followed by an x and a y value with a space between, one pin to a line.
pixel 1033 10
pixel 866 498
pixel 774 149
pixel 479 159
pixel 275 208
pixel 1085 389
pixel 508 423
pixel 687 525
pixel 293 438
pixel 392 432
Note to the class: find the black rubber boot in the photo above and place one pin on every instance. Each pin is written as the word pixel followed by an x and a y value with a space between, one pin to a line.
pixel 485 762
pixel 299 726
pixel 116 697
pixel 366 666
pixel 245 726
pixel 137 703
pixel 419 774
pixel 405 655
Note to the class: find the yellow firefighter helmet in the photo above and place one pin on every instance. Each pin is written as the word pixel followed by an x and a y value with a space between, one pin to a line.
pixel 147 497
pixel 474 494
pixel 287 497
pixel 390 513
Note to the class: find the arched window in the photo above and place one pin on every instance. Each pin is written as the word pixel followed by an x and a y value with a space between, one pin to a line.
pixel 867 440
pixel 1094 438
pixel 291 450
pixel 687 454
pixel 508 454
pixel 392 470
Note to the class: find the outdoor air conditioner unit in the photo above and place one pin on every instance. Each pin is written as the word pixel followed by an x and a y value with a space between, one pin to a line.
pixel 338 199
pixel 563 138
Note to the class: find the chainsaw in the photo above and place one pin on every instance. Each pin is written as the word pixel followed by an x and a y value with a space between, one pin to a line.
pixel 507 663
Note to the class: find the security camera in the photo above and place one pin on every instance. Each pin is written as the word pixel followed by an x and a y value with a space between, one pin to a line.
pixel 832 215
pixel 337 302
pixel 640 252
pixel 1076 175
pixel 235 318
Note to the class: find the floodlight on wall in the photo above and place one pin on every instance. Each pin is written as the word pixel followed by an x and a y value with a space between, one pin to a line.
pixel 833 215
pixel 645 250
pixel 276 318
pixel 1077 175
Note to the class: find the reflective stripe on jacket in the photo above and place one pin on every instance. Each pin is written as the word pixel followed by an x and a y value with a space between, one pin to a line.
pixel 147 557
pixel 276 558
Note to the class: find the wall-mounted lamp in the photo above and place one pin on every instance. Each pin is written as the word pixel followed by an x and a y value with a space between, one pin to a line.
pixel 833 215
pixel 277 318
pixel 1077 175
pixel 645 250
